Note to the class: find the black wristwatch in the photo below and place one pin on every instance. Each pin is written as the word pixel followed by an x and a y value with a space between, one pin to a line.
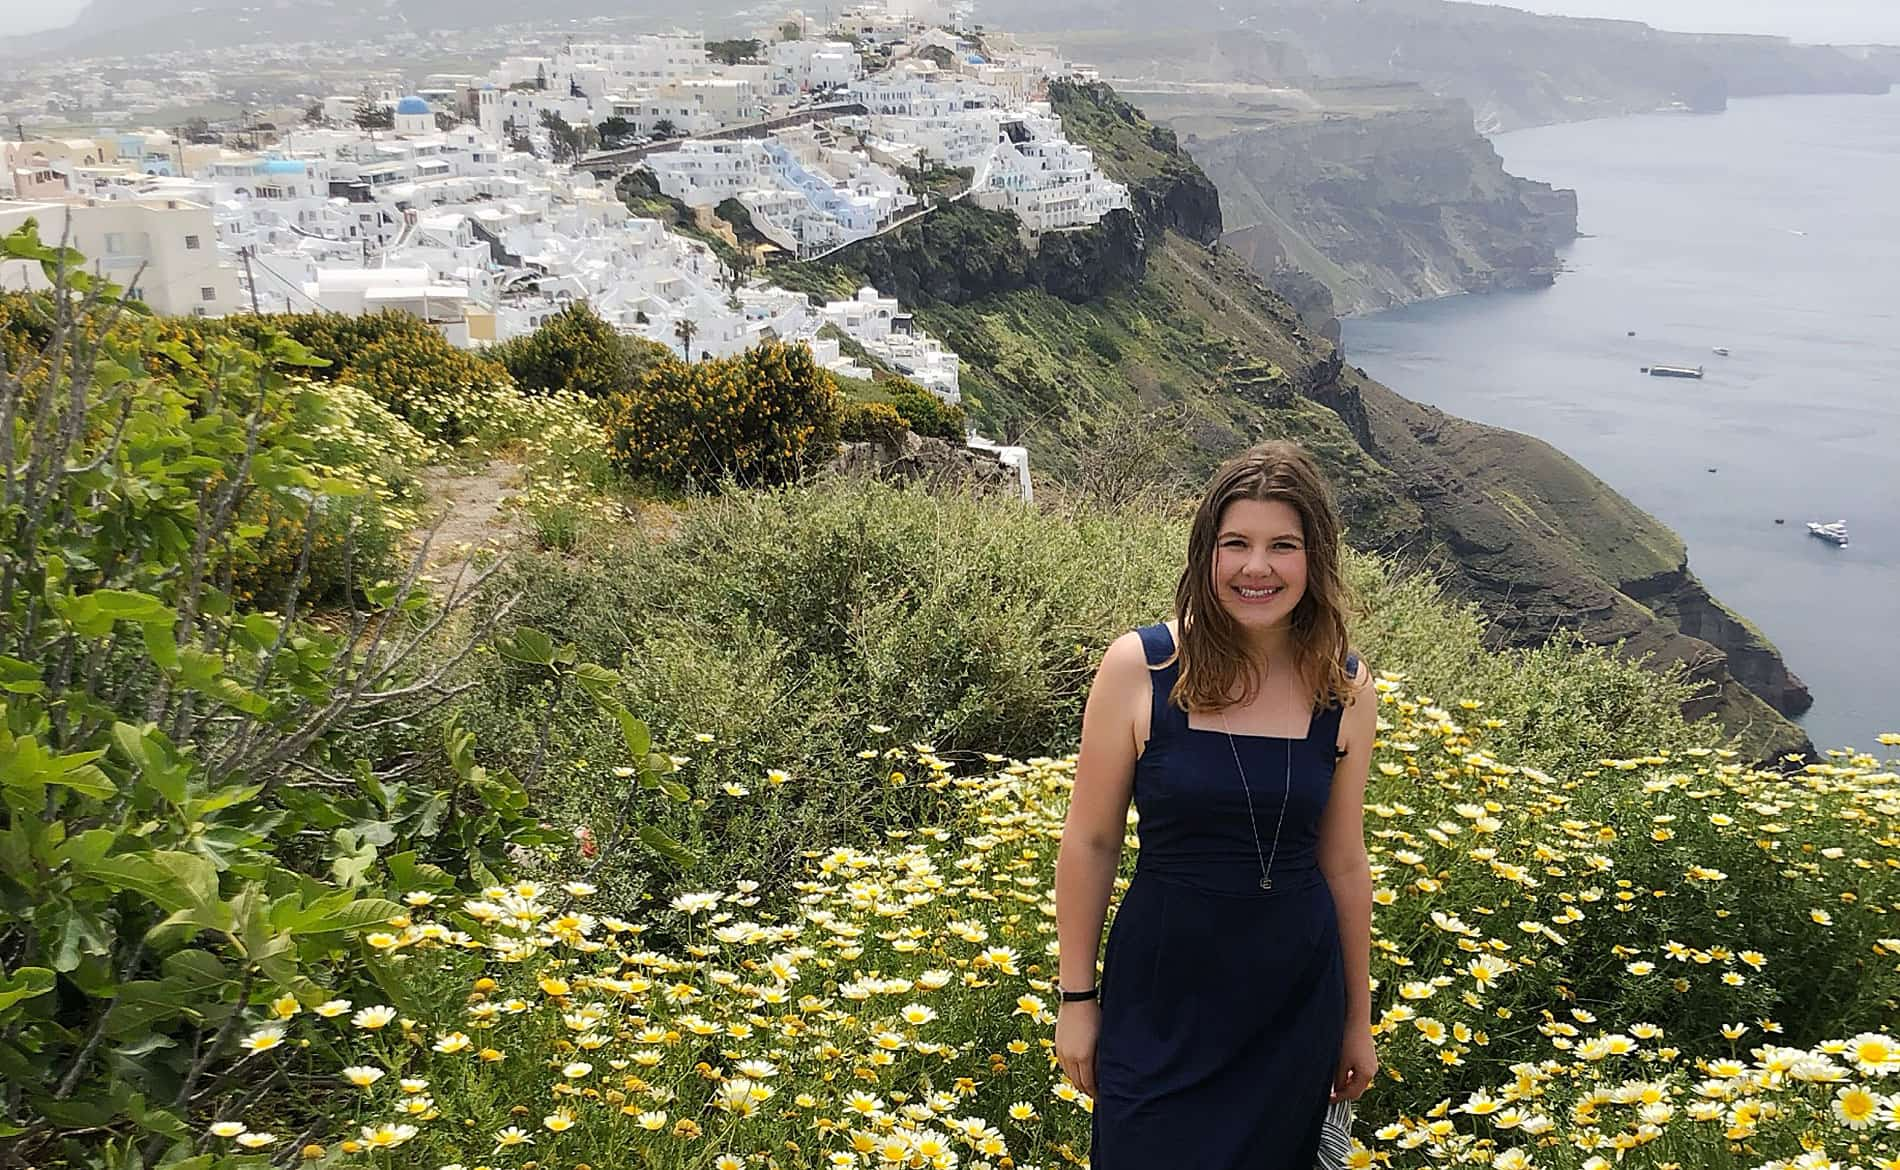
pixel 1078 996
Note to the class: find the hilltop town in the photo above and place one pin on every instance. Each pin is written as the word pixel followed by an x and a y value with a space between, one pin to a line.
pixel 658 178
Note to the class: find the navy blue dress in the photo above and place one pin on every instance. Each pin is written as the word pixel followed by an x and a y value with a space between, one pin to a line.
pixel 1223 1005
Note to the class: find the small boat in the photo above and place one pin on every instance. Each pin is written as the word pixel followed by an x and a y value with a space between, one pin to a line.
pixel 1721 351
pixel 1673 371
pixel 1834 532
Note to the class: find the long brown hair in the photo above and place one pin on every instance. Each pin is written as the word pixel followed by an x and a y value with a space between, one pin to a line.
pixel 1214 661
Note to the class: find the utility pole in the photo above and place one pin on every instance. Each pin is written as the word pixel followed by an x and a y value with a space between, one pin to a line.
pixel 249 279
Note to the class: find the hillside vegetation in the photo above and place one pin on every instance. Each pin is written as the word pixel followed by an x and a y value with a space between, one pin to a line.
pixel 718 829
pixel 1187 348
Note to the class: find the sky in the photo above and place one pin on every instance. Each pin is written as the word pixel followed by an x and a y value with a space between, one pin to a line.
pixel 1838 21
pixel 1827 21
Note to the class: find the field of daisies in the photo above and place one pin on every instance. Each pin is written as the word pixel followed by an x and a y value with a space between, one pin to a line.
pixel 718 832
pixel 1672 960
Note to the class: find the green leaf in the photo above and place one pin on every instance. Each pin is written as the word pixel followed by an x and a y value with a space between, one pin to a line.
pixel 634 732
pixel 85 848
pixel 358 914
pixel 407 873
pixel 599 682
pixel 23 984
pixel 19 677
pixel 657 840
pixel 173 879
pixel 161 644
pixel 125 605
pixel 528 645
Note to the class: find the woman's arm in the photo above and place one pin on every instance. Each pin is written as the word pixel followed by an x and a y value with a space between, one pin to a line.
pixel 1342 857
pixel 1092 841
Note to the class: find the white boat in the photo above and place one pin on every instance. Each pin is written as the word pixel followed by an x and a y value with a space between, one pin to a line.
pixel 1673 371
pixel 1834 532
pixel 1721 351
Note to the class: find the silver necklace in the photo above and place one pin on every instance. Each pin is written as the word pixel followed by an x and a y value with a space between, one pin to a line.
pixel 1266 862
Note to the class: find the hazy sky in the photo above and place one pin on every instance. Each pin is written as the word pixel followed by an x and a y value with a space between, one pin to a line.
pixel 1808 20
pixel 1837 21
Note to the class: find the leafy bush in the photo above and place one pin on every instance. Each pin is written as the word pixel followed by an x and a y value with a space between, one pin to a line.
pixel 189 838
pixel 871 422
pixel 782 624
pixel 924 412
pixel 399 359
pixel 762 417
pixel 576 350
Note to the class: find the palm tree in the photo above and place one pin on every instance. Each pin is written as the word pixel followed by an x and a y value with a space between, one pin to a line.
pixel 684 329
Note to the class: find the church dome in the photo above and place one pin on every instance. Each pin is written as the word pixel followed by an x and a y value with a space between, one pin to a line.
pixel 412 105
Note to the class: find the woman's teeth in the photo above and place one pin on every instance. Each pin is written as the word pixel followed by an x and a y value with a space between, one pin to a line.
pixel 1257 594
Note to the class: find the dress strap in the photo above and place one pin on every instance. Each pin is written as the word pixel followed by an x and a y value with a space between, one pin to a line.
pixel 1157 643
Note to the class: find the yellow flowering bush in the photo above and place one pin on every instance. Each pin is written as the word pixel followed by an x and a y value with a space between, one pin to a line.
pixel 892 1006
pixel 760 417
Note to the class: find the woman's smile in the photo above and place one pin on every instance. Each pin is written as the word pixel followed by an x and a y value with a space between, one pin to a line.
pixel 1260 595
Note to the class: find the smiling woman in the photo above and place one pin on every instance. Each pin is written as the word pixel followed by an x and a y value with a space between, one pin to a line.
pixel 1234 1007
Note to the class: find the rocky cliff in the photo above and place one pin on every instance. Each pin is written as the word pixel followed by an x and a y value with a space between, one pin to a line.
pixel 1383 193
pixel 1191 340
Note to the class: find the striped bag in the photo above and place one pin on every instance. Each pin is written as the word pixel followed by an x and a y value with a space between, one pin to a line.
pixel 1335 1137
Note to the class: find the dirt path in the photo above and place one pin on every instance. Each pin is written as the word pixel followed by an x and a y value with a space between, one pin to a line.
pixel 468 502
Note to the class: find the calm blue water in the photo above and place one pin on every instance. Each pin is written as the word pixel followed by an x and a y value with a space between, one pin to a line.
pixel 1773 229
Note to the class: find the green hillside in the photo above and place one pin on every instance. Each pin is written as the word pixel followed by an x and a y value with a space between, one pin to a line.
pixel 1069 340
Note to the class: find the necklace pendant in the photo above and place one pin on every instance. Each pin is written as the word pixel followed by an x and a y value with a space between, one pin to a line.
pixel 1266 883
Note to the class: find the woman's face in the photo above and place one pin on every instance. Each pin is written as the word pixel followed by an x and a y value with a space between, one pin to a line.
pixel 1260 562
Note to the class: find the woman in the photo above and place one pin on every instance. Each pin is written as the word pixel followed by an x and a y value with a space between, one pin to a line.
pixel 1234 1005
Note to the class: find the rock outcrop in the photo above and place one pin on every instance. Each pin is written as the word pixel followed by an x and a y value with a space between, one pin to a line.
pixel 1386 196
pixel 937 463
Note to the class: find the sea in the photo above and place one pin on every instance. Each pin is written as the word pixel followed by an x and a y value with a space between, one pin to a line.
pixel 1773 230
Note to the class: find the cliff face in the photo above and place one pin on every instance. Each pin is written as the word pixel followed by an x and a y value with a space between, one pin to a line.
pixel 1387 197
pixel 1543 546
pixel 1197 338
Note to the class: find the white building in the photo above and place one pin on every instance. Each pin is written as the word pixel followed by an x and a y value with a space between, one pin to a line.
pixel 888 333
pixel 414 115
pixel 692 105
pixel 1050 183
pixel 355 292
pixel 163 251
pixel 641 63
pixel 803 193
pixel 498 111
pixel 802 66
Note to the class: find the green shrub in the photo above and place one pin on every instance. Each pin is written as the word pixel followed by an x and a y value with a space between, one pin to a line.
pixel 576 350
pixel 924 412
pixel 206 802
pixel 763 417
pixel 400 360
pixel 783 623
pixel 871 422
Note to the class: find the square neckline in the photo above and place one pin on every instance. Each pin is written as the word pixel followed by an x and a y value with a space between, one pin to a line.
pixel 1311 719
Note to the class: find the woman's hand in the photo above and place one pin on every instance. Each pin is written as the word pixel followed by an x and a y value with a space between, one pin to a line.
pixel 1357 1062
pixel 1077 1025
